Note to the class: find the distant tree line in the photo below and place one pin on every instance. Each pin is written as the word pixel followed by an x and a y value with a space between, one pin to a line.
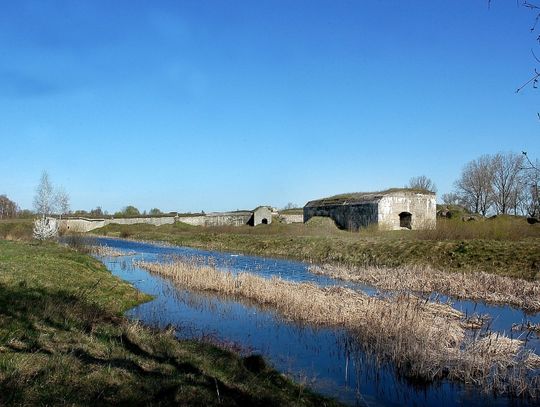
pixel 503 183
pixel 8 208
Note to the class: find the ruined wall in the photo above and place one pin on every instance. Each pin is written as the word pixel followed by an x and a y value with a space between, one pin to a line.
pixel 217 219
pixel 349 217
pixel 227 219
pixel 292 218
pixel 422 207
pixel 197 220
pixel 80 225
pixel 85 224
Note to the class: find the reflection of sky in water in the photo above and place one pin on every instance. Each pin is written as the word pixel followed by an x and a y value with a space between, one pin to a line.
pixel 325 359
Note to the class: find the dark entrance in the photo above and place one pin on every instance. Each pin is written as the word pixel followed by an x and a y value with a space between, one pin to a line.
pixel 264 221
pixel 405 220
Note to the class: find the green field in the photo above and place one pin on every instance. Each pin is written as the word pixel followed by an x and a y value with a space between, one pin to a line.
pixel 64 341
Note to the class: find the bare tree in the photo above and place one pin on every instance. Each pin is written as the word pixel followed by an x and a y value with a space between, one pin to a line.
pixel 290 205
pixel 8 208
pixel 47 201
pixel 474 187
pixel 451 198
pixel 531 178
pixel 44 200
pixel 62 201
pixel 422 182
pixel 507 181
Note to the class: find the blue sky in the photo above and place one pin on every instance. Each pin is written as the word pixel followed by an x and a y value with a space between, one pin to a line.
pixel 214 105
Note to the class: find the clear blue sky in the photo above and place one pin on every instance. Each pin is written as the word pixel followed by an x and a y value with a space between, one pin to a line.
pixel 223 105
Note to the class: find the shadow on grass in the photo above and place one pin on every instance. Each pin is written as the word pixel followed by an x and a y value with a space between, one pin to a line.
pixel 58 347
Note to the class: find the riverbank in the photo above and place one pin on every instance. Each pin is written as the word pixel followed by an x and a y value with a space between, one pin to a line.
pixel 506 247
pixel 63 340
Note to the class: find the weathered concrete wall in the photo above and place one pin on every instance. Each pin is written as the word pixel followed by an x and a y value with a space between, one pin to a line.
pixel 422 207
pixel 348 217
pixel 165 220
pixel 198 220
pixel 292 218
pixel 227 219
pixel 80 225
pixel 86 224
pixel 211 219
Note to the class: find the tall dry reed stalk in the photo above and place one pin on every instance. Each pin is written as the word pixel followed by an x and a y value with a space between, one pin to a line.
pixel 422 339
pixel 475 286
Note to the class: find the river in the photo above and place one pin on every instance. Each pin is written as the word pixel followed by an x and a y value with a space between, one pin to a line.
pixel 327 360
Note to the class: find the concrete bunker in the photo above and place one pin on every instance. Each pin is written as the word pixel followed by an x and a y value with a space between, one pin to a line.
pixel 261 215
pixel 392 209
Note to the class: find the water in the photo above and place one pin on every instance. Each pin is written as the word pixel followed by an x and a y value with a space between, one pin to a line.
pixel 327 360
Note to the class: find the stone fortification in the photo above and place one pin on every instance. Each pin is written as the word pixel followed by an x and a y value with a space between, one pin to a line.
pixel 260 215
pixel 291 217
pixel 82 225
pixel 392 209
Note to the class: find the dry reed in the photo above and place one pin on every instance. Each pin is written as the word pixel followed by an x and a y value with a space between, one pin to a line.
pixel 475 286
pixel 422 339
pixel 106 251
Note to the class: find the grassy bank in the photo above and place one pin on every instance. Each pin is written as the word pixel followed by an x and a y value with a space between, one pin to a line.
pixel 505 246
pixel 63 341
pixel 16 229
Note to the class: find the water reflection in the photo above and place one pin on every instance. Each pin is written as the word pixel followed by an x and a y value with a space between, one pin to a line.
pixel 327 360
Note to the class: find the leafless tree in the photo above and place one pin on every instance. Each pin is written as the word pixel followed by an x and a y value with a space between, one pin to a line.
pixel 507 181
pixel 44 200
pixel 451 198
pixel 62 201
pixel 290 205
pixel 8 208
pixel 533 80
pixel 47 201
pixel 474 187
pixel 532 185
pixel 422 182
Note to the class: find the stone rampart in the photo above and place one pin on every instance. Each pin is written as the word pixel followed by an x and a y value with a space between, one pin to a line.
pixel 292 218
pixel 82 225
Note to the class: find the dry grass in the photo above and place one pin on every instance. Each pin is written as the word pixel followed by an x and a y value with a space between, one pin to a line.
pixel 467 285
pixel 424 340
pixel 504 227
pixel 106 251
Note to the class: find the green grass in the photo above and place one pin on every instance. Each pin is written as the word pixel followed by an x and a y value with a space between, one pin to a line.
pixel 64 341
pixel 505 246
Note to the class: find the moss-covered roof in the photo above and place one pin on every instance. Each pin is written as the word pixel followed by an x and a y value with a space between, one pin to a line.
pixel 365 197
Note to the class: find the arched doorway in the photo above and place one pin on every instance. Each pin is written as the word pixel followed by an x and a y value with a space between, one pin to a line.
pixel 264 221
pixel 405 220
